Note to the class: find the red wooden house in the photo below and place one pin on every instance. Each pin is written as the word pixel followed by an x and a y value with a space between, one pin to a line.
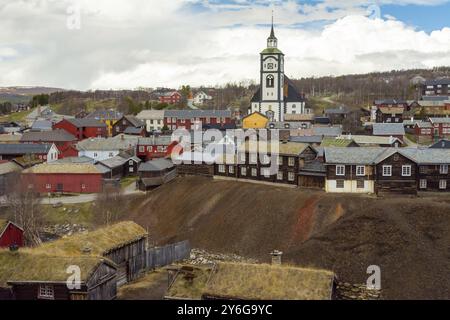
pixel 83 128
pixel 170 97
pixel 10 234
pixel 194 119
pixel 155 147
pixel 63 140
pixel 64 178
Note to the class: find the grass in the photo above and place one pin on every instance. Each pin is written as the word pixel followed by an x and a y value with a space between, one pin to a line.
pixel 16 116
pixel 152 286
pixel 185 290
pixel 126 182
pixel 84 216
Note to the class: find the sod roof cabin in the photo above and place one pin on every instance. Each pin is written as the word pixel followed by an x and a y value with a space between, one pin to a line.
pixel 239 281
pixel 28 275
pixel 123 243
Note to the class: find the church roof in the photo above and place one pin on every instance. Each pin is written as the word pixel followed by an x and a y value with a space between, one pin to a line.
pixel 272 51
pixel 290 95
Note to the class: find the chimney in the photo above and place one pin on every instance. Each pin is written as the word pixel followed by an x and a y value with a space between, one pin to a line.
pixel 276 257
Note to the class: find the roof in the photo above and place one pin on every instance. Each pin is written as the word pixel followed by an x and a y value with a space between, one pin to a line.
pixel 322 120
pixel 75 160
pixel 271 51
pixel 435 98
pixel 284 148
pixel 445 81
pixel 440 120
pixel 118 161
pixel 299 117
pixel 27 266
pixel 445 144
pixel 42 125
pixel 10 137
pixel 336 142
pixel 306 139
pixel 427 156
pixel 340 110
pixel 151 115
pixel 105 115
pixel 255 282
pixel 58 135
pixel 133 130
pixel 120 142
pixel 24 148
pixel 156 165
pixel 191 114
pixel 134 121
pixel 390 101
pixel 65 168
pixel 9 167
pixel 327 131
pixel 372 140
pixel 86 122
pixel 393 129
pixel 392 110
pixel 423 124
pixel 101 241
pixel 284 125
pixel 363 156
pixel 155 140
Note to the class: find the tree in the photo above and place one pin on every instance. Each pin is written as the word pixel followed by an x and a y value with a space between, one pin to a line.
pixel 40 100
pixel 26 211
pixel 110 204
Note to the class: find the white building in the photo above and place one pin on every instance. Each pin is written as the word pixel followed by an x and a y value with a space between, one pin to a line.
pixel 277 95
pixel 100 149
pixel 153 119
pixel 201 98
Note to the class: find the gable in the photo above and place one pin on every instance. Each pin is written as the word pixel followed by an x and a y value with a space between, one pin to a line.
pixel 397 158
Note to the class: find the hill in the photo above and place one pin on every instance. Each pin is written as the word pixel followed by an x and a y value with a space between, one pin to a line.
pixel 409 238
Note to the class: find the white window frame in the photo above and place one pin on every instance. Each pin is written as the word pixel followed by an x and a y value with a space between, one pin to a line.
pixel 291 176
pixel 48 186
pixel 291 162
pixel 280 176
pixel 423 184
pixel 131 169
pixel 46 292
pixel 443 184
pixel 231 169
pixel 141 149
pixel 387 174
pixel 222 168
pixel 443 169
pixel 360 171
pixel 340 170
pixel 265 172
pixel 407 171
pixel 343 185
pixel 254 172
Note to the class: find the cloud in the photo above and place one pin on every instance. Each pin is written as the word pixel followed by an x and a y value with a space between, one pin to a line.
pixel 128 44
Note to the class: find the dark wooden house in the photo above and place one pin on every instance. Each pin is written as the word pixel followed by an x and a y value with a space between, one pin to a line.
pixel 120 166
pixel 126 122
pixel 155 173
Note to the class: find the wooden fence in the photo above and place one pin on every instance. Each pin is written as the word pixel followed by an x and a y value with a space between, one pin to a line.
pixel 162 256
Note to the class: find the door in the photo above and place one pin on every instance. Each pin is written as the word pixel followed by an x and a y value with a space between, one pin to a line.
pixel 59 187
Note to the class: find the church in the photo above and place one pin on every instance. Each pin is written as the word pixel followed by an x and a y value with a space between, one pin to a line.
pixel 276 95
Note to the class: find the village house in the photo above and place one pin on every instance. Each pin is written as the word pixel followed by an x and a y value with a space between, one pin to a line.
pixel 201 98
pixel 64 178
pixel 194 119
pixel 29 276
pixel 108 117
pixel 129 125
pixel 172 97
pixel 11 235
pixel 390 114
pixel 388 104
pixel 120 166
pixel 337 115
pixel 42 125
pixel 443 144
pixel 83 128
pixel 10 138
pixel 242 281
pixel 64 141
pixel 8 171
pixel 154 120
pixel 437 87
pixel 10 127
pixel 101 149
pixel 255 159
pixel 373 141
pixel 306 120
pixel 155 147
pixel 45 152
pixel 155 173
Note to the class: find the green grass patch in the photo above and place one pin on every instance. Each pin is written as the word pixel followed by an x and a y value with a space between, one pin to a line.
pixel 16 116
pixel 126 182
pixel 69 214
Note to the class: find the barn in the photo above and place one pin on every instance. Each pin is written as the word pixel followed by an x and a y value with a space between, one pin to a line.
pixel 64 178
pixel 10 234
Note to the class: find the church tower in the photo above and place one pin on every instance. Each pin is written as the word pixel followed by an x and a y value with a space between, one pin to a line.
pixel 270 99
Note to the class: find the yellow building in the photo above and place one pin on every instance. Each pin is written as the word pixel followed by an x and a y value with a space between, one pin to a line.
pixel 108 117
pixel 255 120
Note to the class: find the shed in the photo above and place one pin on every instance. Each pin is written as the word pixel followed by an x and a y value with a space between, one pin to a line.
pixel 10 234
pixel 155 173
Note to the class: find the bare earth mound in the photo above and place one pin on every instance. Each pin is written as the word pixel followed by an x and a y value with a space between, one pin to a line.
pixel 409 238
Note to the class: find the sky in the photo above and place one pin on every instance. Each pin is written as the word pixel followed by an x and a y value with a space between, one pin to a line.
pixel 126 44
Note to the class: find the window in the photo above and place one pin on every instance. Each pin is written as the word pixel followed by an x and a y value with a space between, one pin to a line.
pixel 48 186
pixel 423 184
pixel 46 292
pixel 243 157
pixel 279 160
pixel 270 81
pixel 265 172
pixel 95 155
pixel 130 162
pixel 360 171
pixel 141 149
pixel 443 169
pixel 150 149
pixel 131 169
pixel 406 171
pixel 254 172
pixel 340 170
pixel 291 161
pixel 423 169
pixel 221 168
pixel 244 171
pixel 83 186
pixel 280 176
pixel 270 66
pixel 387 171
pixel 360 184
pixel 291 176
pixel 231 169
pixel 340 184
pixel 443 184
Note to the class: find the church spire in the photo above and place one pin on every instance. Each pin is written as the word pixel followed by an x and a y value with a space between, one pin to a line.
pixel 272 41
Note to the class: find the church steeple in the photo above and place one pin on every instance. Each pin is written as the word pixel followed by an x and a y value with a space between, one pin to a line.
pixel 272 41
